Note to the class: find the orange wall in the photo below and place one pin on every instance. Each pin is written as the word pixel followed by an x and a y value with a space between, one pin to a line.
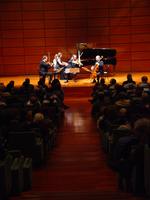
pixel 30 28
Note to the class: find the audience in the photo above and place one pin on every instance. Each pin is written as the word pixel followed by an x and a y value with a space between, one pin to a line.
pixel 122 112
pixel 123 117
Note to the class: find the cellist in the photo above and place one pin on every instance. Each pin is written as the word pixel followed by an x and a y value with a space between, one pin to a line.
pixel 97 69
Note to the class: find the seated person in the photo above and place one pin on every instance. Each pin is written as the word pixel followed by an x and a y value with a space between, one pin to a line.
pixel 72 63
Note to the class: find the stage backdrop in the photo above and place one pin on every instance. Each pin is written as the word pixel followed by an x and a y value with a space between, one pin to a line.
pixel 30 28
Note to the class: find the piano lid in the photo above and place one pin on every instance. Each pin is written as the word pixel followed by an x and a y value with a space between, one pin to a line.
pixel 91 53
pixel 88 55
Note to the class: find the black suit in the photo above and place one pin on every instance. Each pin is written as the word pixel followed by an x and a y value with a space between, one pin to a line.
pixel 44 70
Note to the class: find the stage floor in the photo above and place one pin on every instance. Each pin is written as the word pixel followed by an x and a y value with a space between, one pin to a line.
pixel 80 81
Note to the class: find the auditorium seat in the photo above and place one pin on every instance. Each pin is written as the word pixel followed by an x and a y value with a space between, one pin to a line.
pixel 29 144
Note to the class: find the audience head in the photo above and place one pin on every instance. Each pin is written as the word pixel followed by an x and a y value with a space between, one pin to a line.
pixel 113 81
pixel 38 117
pixel 56 84
pixel 102 81
pixel 129 77
pixel 144 79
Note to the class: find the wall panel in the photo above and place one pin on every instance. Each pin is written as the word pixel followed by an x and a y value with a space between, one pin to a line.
pixel 10 6
pixel 140 3
pixel 32 6
pixel 15 42
pixel 31 28
pixel 11 15
pixel 140 65
pixel 140 47
pixel 120 21
pixel 123 66
pixel 12 34
pixel 13 52
pixel 35 33
pixel 32 15
pixel 119 4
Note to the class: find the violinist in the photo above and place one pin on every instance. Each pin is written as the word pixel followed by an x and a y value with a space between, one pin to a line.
pixel 43 68
pixel 97 69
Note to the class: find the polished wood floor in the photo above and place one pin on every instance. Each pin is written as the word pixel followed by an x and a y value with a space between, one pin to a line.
pixel 83 80
pixel 77 167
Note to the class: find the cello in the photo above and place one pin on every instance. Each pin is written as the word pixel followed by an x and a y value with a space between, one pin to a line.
pixel 95 68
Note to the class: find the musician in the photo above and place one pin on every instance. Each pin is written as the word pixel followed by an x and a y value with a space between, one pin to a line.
pixel 58 64
pixel 44 67
pixel 97 69
pixel 72 63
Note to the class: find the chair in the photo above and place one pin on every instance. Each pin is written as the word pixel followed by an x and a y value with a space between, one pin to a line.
pixel 147 169
pixel 5 177
pixel 28 143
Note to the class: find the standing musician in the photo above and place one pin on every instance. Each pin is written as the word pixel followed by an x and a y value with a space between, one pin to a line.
pixel 58 64
pixel 44 67
pixel 97 69
pixel 73 64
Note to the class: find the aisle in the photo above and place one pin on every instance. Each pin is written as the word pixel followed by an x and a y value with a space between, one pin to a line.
pixel 77 163
pixel 77 167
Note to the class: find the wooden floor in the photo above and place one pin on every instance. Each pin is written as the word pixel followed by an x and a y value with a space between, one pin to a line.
pixel 83 80
pixel 77 167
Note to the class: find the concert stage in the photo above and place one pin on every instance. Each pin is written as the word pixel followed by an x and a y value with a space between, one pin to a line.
pixel 81 81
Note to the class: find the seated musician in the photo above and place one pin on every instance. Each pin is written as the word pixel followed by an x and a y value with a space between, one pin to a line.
pixel 72 63
pixel 97 69
pixel 43 69
pixel 58 64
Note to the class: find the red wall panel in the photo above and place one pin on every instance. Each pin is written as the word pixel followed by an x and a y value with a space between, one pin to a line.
pixel 140 29
pixel 13 69
pixel 11 15
pixel 140 47
pixel 35 33
pixel 32 6
pixel 32 15
pixel 120 21
pixel 140 20
pixel 98 4
pixel 140 65
pixel 15 42
pixel 119 4
pixel 13 52
pixel 32 28
pixel 124 30
pixel 117 12
pixel 10 6
pixel 143 38
pixel 11 25
pixel 123 66
pixel 53 14
pixel 34 24
pixel 140 11
pixel 53 6
pixel 140 3
pixel 34 51
pixel 12 34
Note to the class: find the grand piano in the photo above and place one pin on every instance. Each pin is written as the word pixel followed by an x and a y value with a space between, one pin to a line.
pixel 87 55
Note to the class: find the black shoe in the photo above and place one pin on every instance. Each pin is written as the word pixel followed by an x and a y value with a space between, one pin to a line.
pixel 66 81
pixel 94 81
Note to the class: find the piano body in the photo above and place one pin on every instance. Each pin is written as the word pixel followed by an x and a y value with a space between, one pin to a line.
pixel 87 56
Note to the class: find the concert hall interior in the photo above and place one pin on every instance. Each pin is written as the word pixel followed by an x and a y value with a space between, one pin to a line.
pixel 74 99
